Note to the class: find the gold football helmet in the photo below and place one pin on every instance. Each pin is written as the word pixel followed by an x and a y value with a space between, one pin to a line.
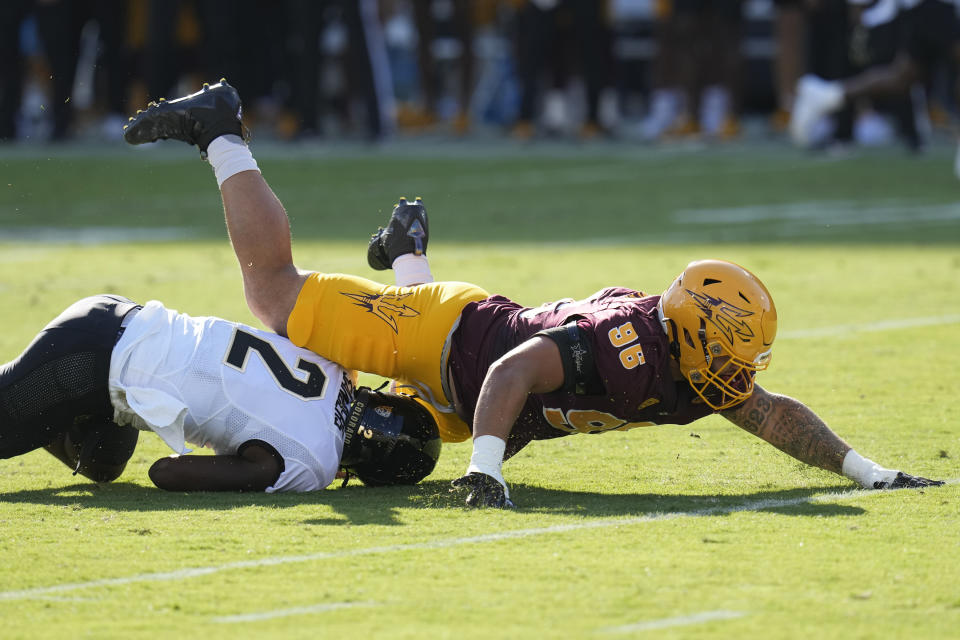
pixel 721 322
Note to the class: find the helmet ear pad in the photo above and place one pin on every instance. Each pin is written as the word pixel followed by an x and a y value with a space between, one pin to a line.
pixel 389 439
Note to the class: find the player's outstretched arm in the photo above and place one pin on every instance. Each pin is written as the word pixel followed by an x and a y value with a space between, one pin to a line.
pixel 532 367
pixel 795 429
pixel 791 427
pixel 254 468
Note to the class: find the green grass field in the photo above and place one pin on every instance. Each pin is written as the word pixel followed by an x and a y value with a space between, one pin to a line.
pixel 700 531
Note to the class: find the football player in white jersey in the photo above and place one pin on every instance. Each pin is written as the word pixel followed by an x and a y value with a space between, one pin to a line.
pixel 278 417
pixel 928 35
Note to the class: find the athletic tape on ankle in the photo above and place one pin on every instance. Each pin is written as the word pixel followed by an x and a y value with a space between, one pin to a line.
pixel 410 270
pixel 229 155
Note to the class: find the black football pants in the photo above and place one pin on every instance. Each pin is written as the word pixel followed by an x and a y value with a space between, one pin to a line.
pixel 59 383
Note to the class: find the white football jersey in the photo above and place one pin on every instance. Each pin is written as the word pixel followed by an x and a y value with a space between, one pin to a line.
pixel 218 384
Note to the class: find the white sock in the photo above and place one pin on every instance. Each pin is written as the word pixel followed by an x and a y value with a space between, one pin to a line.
pixel 410 269
pixel 229 155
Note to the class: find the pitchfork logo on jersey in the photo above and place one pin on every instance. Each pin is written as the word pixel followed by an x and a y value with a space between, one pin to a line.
pixel 724 316
pixel 388 307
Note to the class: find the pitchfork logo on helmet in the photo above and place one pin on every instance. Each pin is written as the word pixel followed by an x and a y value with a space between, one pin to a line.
pixel 726 317
pixel 721 322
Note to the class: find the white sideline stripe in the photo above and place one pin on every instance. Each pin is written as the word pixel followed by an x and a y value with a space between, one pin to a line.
pixel 883 325
pixel 195 572
pixel 283 613
pixel 829 212
pixel 695 618
pixel 92 236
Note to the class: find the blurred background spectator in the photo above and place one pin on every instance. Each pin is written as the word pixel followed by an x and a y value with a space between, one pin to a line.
pixel 443 32
pixel 337 47
pixel 701 50
pixel 789 33
pixel 640 70
pixel 556 40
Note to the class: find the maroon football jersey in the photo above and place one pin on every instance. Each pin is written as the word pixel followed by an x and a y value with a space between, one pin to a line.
pixel 630 354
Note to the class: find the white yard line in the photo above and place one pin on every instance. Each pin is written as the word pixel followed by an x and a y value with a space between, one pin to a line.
pixel 284 613
pixel 443 543
pixel 679 621
pixel 93 236
pixel 825 212
pixel 883 325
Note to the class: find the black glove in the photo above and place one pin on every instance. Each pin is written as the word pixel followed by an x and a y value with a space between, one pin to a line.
pixel 907 481
pixel 485 491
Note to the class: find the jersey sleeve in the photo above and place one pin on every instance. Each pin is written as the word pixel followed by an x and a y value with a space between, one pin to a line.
pixel 297 477
pixel 576 355
pixel 304 469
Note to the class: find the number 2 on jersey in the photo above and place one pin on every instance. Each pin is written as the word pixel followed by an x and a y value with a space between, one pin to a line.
pixel 313 387
pixel 622 336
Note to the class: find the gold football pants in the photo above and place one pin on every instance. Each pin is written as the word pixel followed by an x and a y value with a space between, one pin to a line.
pixel 394 332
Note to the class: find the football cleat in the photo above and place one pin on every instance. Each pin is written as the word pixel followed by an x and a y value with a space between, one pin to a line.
pixel 407 232
pixel 816 98
pixel 198 118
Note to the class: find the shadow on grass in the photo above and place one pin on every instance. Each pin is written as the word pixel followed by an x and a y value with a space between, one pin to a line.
pixel 359 505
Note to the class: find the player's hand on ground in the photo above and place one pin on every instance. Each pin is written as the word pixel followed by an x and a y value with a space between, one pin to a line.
pixel 907 481
pixel 484 491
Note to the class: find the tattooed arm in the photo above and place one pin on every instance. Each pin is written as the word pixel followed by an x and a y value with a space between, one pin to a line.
pixel 792 427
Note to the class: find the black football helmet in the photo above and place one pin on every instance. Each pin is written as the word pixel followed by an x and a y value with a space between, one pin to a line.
pixel 389 439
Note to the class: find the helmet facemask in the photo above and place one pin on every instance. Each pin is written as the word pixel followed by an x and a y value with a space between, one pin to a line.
pixel 727 379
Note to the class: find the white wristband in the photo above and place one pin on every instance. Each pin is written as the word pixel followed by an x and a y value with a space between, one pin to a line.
pixel 229 155
pixel 864 471
pixel 410 270
pixel 488 458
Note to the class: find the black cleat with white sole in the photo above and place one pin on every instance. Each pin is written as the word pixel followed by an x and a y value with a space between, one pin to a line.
pixel 198 118
pixel 407 232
